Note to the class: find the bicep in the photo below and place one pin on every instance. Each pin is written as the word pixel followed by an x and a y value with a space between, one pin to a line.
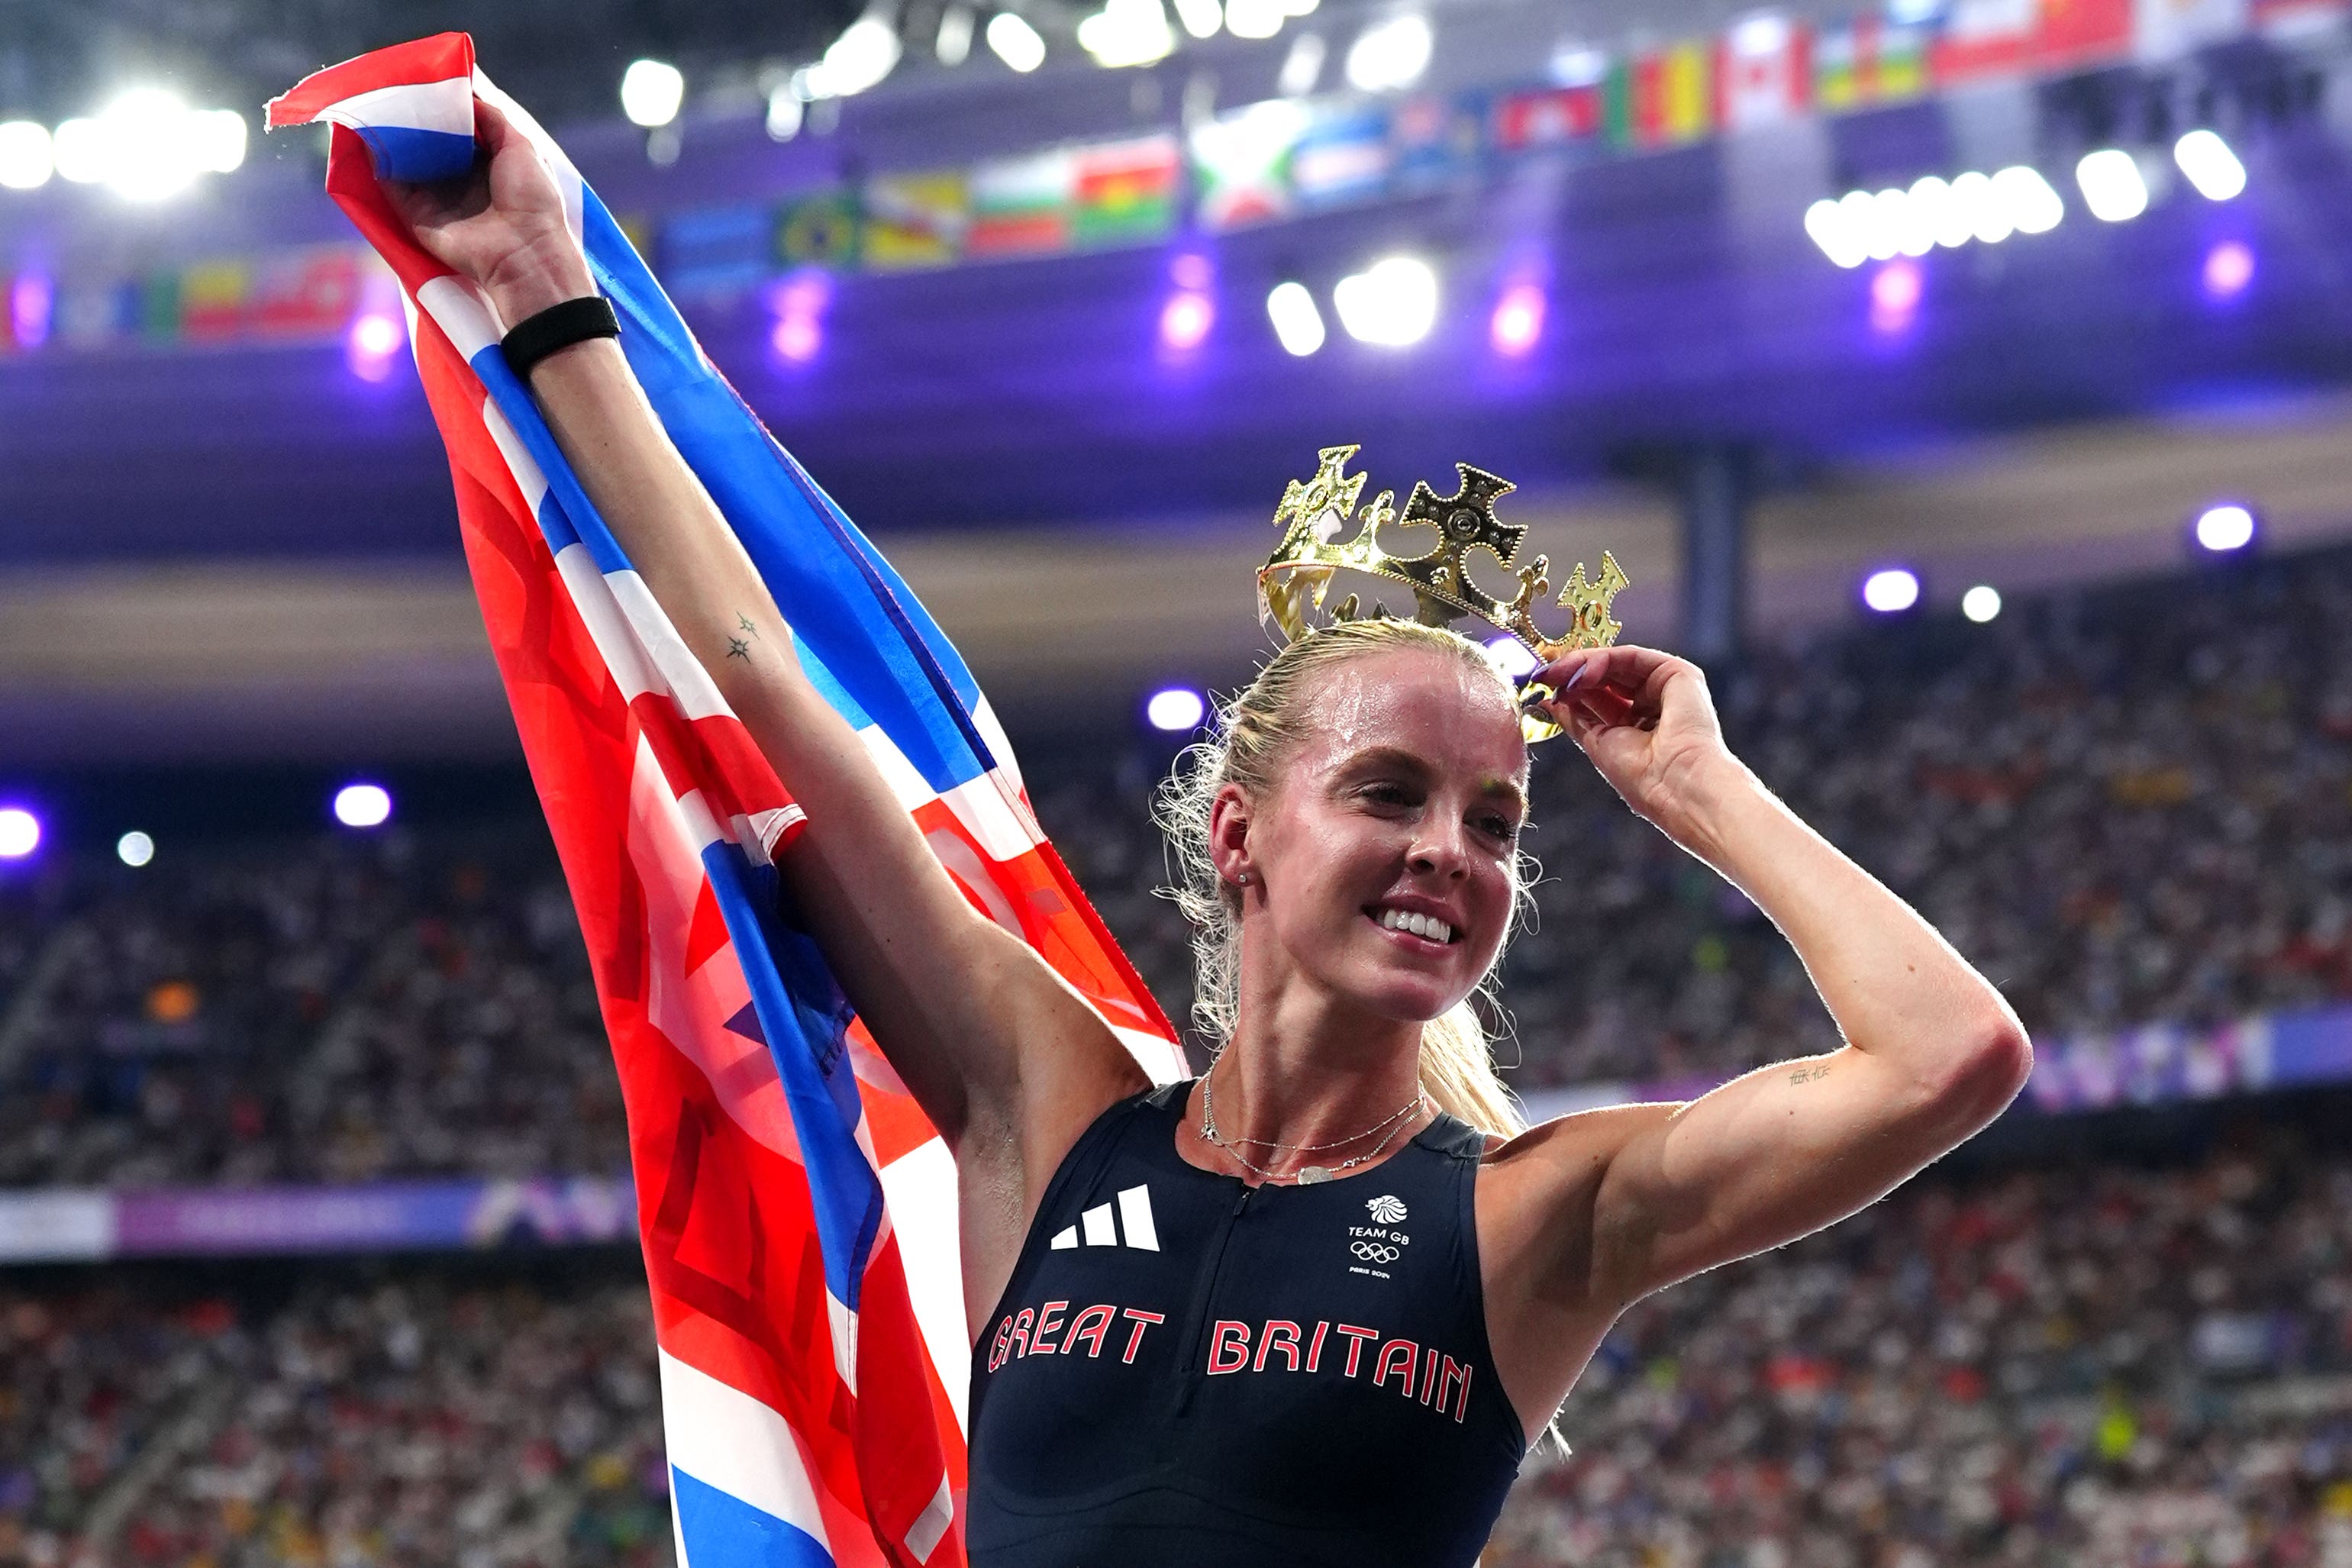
pixel 1762 1160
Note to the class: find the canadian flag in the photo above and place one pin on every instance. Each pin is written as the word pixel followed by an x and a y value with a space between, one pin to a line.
pixel 1763 71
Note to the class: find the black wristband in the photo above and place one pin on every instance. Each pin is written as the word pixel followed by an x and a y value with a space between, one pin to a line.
pixel 558 327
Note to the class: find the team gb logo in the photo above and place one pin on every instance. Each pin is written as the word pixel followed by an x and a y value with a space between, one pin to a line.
pixel 1385 1209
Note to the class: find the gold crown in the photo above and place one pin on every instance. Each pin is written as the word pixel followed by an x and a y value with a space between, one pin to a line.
pixel 1292 585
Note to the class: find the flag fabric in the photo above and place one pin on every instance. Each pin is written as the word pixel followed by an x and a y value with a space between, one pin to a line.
pixel 1342 155
pixel 1762 74
pixel 1868 60
pixel 913 219
pixel 1023 205
pixel 797 1212
pixel 1127 190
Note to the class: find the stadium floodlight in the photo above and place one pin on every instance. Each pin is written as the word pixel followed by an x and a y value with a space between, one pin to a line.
pixel 2111 183
pixel 217 139
pixel 2028 200
pixel 1015 42
pixel 1302 68
pixel 1297 322
pixel 1176 708
pixel 20 833
pixel 652 91
pixel 1886 226
pixel 1255 18
pixel 1202 19
pixel 1128 33
pixel 147 145
pixel 1511 656
pixel 1391 55
pixel 866 51
pixel 2223 529
pixel 1891 590
pixel 1920 220
pixel 370 343
pixel 951 44
pixel 1982 603
pixel 1392 302
pixel 1831 227
pixel 362 805
pixel 1976 211
pixel 134 848
pixel 2209 165
pixel 1518 319
pixel 786 113
pixel 25 159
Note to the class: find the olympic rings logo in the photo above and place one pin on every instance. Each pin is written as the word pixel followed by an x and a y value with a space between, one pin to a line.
pixel 1375 1252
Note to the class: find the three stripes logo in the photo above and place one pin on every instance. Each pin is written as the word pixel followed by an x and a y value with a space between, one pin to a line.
pixel 1133 1228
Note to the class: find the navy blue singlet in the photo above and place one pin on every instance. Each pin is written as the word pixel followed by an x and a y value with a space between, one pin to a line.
pixel 1187 1370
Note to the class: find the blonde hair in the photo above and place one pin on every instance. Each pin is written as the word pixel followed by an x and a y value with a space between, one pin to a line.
pixel 1256 734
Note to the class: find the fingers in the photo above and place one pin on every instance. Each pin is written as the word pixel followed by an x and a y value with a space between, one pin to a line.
pixel 1618 685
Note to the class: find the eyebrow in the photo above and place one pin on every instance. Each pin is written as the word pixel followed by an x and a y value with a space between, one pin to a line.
pixel 1372 759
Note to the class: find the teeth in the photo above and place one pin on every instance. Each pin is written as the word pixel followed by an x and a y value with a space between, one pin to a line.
pixel 1420 925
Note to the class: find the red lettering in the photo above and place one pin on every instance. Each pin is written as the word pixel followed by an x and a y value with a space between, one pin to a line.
pixel 1049 1320
pixel 1021 1330
pixel 1355 1338
pixel 1397 1356
pixel 1280 1335
pixel 1004 1345
pixel 1088 1326
pixel 1315 1350
pixel 1428 1373
pixel 1455 1377
pixel 1142 1320
pixel 1228 1336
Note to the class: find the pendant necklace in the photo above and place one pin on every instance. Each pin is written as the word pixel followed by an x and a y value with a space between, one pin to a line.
pixel 1305 1175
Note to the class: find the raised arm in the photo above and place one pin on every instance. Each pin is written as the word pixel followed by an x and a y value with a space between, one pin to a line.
pixel 1008 1061
pixel 1932 1053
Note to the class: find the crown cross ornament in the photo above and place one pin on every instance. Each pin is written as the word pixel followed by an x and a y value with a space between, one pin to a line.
pixel 1315 513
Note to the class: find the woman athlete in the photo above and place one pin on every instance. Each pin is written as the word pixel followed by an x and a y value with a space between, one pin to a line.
pixel 1312 1307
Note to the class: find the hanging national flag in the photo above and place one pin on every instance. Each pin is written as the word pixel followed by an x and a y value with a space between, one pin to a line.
pixel 1986 38
pixel 2077 33
pixel 795 1208
pixel 1240 164
pixel 711 255
pixel 1341 156
pixel 1547 117
pixel 1763 72
pixel 2298 18
pixel 1685 107
pixel 313 292
pixel 1868 60
pixel 913 220
pixel 211 298
pixel 1436 139
pixel 1022 206
pixel 1127 190
pixel 818 230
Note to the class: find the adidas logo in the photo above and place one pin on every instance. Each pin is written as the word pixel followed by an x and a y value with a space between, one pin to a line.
pixel 1134 1222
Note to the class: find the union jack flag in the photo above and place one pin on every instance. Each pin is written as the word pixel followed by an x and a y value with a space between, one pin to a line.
pixel 797 1211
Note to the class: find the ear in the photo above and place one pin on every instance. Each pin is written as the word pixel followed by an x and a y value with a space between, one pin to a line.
pixel 1229 825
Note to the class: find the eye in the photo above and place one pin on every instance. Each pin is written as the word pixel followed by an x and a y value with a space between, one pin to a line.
pixel 1389 791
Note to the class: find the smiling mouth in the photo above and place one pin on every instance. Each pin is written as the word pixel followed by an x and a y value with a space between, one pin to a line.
pixel 1428 928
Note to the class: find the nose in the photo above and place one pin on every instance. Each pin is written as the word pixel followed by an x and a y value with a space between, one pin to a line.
pixel 1438 850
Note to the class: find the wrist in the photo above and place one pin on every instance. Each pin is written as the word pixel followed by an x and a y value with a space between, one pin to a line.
pixel 531 280
pixel 1706 808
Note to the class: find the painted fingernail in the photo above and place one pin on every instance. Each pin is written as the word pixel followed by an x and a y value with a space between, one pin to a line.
pixel 1569 684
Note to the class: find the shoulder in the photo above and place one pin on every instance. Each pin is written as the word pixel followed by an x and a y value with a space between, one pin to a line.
pixel 1540 1193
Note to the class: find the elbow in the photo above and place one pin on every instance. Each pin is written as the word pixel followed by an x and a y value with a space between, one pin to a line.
pixel 1985 1071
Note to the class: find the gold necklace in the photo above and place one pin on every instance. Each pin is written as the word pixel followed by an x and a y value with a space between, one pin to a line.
pixel 1305 1175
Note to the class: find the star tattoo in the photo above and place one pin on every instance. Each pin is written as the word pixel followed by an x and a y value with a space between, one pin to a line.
pixel 737 648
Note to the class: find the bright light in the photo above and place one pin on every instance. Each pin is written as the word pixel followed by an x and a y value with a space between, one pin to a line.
pixel 1895 290
pixel 799 303
pixel 1255 18
pixel 1891 589
pixel 951 44
pixel 1392 302
pixel 2112 186
pixel 1518 319
pixel 2210 164
pixel 1511 656
pixel 1977 211
pixel 134 848
pixel 866 51
pixel 1191 270
pixel 1295 319
pixel 2228 268
pixel 1015 42
pixel 1185 320
pixel 651 92
pixel 1919 217
pixel 1202 19
pixel 25 160
pixel 1302 68
pixel 32 300
pixel 785 112
pixel 1176 708
pixel 148 145
pixel 362 805
pixel 2028 200
pixel 1832 228
pixel 1982 603
pixel 20 833
pixel 1390 55
pixel 2221 529
pixel 1128 33
pixel 370 343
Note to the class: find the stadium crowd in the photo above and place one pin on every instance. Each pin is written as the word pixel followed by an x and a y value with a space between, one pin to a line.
pixel 2078 1367
pixel 2128 805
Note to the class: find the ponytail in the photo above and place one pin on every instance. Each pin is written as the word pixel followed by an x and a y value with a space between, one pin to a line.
pixel 1457 1071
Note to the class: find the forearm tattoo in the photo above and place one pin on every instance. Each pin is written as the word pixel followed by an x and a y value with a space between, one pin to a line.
pixel 741 647
pixel 1811 1073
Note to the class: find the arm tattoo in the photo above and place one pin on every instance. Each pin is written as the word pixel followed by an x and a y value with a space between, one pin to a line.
pixel 744 621
pixel 738 649
pixel 1812 1074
